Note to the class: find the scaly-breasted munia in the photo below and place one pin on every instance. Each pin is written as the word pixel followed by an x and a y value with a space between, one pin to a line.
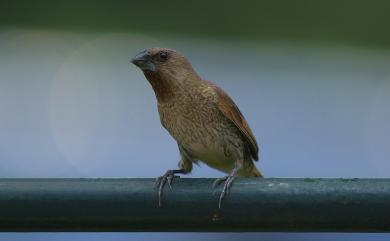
pixel 201 117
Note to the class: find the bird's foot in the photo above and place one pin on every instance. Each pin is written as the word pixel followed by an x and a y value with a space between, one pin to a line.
pixel 164 179
pixel 228 181
pixel 218 182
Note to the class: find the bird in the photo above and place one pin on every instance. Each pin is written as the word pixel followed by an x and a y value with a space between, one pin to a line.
pixel 205 122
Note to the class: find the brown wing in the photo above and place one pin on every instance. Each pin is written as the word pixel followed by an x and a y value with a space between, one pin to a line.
pixel 231 111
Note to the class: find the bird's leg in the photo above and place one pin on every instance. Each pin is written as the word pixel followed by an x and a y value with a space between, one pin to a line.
pixel 166 178
pixel 228 183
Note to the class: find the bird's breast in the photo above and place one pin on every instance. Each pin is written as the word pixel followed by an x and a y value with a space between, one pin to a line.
pixel 191 122
pixel 202 130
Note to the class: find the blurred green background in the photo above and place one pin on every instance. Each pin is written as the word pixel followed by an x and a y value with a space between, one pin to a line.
pixel 348 22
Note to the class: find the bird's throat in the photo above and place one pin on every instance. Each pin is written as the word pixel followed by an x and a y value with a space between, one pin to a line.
pixel 163 89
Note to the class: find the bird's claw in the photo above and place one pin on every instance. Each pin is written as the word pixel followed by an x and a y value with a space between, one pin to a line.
pixel 161 181
pixel 228 181
pixel 219 181
pixel 169 180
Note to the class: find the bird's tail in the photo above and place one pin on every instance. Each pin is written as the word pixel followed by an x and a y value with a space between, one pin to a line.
pixel 252 171
pixel 256 172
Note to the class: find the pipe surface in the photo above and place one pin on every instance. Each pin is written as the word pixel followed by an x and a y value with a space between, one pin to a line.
pixel 270 204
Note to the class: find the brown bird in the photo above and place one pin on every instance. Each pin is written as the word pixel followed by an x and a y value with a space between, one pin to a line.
pixel 201 117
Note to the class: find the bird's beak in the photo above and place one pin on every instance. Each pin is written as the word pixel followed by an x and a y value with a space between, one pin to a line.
pixel 144 61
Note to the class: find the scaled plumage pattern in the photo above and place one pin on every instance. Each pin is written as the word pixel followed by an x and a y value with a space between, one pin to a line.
pixel 201 117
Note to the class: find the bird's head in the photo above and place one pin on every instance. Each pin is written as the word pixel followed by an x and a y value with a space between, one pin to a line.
pixel 166 63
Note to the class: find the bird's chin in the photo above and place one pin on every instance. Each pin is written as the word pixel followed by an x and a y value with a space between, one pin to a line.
pixel 148 67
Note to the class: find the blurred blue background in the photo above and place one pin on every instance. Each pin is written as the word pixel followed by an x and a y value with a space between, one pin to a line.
pixel 313 84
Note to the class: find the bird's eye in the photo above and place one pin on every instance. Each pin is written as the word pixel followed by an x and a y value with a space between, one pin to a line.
pixel 163 56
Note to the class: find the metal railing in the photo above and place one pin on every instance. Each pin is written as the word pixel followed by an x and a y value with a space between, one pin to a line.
pixel 270 204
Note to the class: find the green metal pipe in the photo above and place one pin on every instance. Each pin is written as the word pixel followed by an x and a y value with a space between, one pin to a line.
pixel 271 204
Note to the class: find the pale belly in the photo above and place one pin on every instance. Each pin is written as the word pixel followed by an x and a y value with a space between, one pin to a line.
pixel 213 156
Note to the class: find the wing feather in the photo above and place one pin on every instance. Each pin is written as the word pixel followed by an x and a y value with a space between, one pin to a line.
pixel 231 111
